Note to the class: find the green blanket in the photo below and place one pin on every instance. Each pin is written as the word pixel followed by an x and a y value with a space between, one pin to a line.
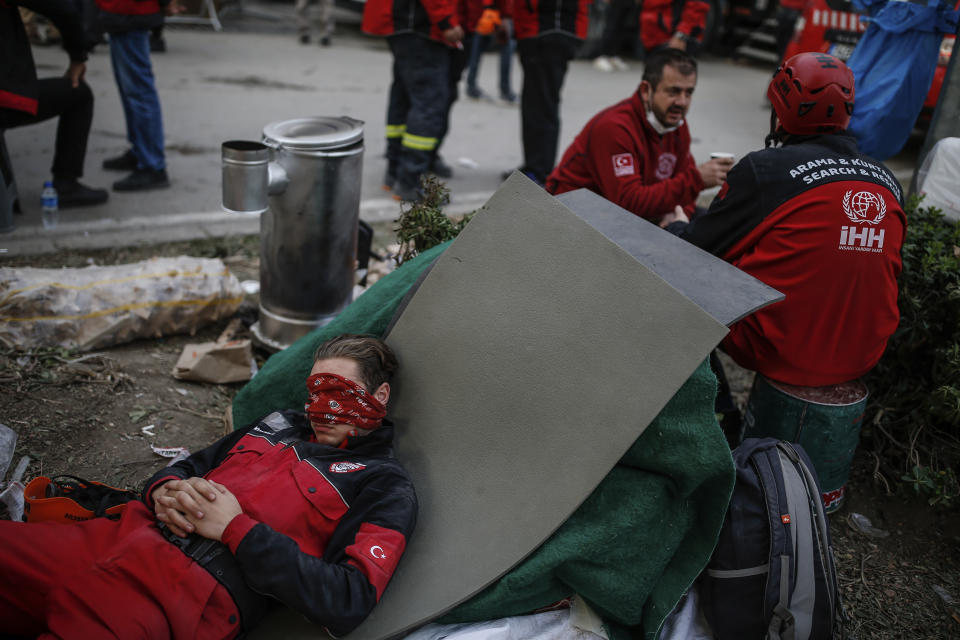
pixel 631 549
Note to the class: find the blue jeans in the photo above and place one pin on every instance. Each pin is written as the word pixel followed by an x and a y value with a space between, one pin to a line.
pixel 130 57
pixel 479 44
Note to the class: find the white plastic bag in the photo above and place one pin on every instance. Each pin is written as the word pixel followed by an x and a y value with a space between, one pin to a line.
pixel 938 178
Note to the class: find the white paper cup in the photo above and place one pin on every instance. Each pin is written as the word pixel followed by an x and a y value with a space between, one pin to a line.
pixel 721 155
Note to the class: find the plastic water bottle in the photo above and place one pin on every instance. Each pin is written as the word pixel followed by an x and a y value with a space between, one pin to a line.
pixel 50 214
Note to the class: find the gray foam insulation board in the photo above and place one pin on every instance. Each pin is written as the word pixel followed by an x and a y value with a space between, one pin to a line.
pixel 533 355
pixel 722 290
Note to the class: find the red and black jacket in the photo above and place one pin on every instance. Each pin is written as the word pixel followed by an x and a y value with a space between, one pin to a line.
pixel 660 19
pixel 18 75
pixel 118 16
pixel 620 156
pixel 532 18
pixel 823 224
pixel 428 18
pixel 322 528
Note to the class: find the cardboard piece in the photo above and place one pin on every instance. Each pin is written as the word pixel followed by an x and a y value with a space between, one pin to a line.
pixel 725 292
pixel 216 362
pixel 533 355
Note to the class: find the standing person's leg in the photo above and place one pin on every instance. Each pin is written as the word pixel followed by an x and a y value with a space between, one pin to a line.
pixel 506 68
pixel 398 106
pixel 425 66
pixel 458 61
pixel 326 22
pixel 544 61
pixel 619 19
pixel 478 44
pixel 130 56
pixel 301 9
pixel 74 106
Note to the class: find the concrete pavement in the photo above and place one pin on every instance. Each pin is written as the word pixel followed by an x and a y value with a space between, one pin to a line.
pixel 229 85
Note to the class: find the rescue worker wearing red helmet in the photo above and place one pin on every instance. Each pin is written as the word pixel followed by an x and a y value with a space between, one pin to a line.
pixel 815 219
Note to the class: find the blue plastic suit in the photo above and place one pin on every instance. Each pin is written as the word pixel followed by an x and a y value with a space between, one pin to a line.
pixel 893 65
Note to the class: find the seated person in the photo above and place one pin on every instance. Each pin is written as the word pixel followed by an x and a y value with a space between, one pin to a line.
pixel 636 153
pixel 308 509
pixel 24 99
pixel 817 220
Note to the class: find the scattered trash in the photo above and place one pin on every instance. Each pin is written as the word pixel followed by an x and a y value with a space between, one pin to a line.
pixel 176 454
pixel 99 306
pixel 226 360
pixel 861 523
pixel 8 443
pixel 182 392
pixel 250 287
pixel 148 430
pixel 469 163
pixel 11 493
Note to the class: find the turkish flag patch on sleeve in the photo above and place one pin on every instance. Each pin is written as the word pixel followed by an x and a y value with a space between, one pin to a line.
pixel 623 164
pixel 376 552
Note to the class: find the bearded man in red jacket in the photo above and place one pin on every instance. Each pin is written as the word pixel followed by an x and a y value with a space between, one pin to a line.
pixel 636 153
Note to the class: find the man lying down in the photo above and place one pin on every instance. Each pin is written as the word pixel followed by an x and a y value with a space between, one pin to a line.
pixel 307 509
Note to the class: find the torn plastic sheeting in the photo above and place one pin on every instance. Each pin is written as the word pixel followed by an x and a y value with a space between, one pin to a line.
pixel 938 178
pixel 98 306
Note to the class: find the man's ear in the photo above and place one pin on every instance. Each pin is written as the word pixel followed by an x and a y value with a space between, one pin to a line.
pixel 645 91
pixel 382 394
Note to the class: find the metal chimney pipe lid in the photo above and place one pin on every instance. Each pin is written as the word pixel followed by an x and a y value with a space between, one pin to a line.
pixel 315 133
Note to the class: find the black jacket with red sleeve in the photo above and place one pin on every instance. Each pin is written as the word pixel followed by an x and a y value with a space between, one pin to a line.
pixel 823 224
pixel 322 528
pixel 427 18
pixel 18 75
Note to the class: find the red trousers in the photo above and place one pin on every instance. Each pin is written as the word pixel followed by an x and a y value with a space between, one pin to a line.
pixel 104 579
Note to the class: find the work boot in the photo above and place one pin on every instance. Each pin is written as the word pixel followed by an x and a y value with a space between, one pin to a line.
pixel 126 161
pixel 304 38
pixel 143 180
pixel 389 179
pixel 407 193
pixel 72 193
pixel 325 41
pixel 440 168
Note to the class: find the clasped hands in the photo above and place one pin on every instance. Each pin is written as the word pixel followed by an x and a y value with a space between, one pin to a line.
pixel 195 505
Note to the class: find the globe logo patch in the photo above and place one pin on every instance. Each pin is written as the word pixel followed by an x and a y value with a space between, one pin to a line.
pixel 864 206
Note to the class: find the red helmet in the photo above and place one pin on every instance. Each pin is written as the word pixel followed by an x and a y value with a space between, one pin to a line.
pixel 812 93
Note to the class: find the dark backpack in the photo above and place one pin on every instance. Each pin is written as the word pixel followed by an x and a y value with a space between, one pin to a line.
pixel 772 574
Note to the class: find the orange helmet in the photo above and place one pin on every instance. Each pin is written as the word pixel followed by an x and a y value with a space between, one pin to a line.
pixel 812 93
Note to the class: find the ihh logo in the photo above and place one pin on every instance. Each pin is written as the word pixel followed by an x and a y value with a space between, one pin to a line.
pixel 861 237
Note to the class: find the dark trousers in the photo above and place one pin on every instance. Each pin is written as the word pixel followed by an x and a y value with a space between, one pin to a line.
pixel 418 105
pixel 544 61
pixel 458 62
pixel 619 26
pixel 75 108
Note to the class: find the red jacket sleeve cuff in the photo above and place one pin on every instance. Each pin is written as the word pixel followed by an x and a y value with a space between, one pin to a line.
pixel 236 530
pixel 148 494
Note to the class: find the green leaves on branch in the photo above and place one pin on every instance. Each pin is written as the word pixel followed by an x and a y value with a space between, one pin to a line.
pixel 424 225
pixel 913 420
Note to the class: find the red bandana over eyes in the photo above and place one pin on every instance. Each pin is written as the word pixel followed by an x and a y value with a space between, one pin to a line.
pixel 336 399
